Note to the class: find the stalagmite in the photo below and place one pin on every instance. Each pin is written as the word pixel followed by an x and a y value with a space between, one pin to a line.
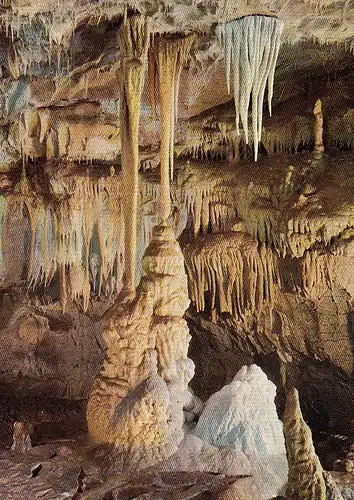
pixel 319 148
pixel 251 47
pixel 167 58
pixel 307 480
pixel 134 37
pixel 137 401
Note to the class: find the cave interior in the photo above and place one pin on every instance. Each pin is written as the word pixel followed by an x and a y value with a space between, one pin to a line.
pixel 177 249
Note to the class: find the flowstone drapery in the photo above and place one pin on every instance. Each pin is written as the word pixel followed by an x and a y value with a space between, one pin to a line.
pixel 137 401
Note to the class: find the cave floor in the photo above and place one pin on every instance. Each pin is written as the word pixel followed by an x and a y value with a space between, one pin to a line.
pixel 60 466
pixel 58 471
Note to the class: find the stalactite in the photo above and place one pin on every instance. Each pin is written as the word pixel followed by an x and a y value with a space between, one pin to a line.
pixel 42 262
pixel 134 36
pixel 240 276
pixel 251 46
pixel 340 130
pixel 62 235
pixel 213 138
pixel 288 137
pixel 167 58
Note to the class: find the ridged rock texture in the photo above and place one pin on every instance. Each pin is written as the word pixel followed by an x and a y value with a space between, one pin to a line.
pixel 136 404
pixel 307 480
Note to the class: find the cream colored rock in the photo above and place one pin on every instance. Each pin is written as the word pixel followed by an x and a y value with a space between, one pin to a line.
pixel 31 329
pixel 307 480
pixel 137 400
pixel 222 263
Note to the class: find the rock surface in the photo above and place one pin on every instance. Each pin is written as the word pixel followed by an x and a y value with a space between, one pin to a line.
pixel 195 455
pixel 137 401
pixel 306 480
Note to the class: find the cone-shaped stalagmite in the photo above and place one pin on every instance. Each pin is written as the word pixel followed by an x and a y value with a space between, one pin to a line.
pixel 133 42
pixel 307 480
pixel 167 57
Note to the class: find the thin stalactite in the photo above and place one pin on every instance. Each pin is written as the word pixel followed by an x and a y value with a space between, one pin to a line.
pixel 134 37
pixel 167 57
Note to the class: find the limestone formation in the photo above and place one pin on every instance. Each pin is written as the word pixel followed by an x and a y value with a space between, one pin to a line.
pixel 128 126
pixel 319 148
pixel 137 401
pixel 307 480
pixel 243 416
pixel 251 46
pixel 245 489
pixel 134 38
pixel 195 455
pixel 167 58
pixel 22 437
pixel 222 264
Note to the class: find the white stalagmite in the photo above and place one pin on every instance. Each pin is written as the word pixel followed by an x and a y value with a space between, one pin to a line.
pixel 251 47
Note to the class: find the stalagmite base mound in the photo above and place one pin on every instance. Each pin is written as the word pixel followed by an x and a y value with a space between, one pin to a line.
pixel 137 401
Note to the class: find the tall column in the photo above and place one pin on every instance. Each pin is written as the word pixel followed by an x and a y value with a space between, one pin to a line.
pixel 319 147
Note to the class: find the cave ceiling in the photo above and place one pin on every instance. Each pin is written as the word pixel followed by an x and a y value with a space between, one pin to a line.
pixel 65 59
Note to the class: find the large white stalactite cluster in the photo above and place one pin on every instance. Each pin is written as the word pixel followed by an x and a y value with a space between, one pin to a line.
pixel 251 47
